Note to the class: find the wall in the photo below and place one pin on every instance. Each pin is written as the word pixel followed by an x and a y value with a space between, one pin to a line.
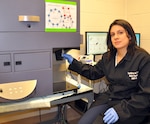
pixel 138 14
pixel 96 15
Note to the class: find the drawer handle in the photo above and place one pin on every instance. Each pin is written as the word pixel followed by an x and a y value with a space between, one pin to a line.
pixel 28 18
pixel 6 63
pixel 18 62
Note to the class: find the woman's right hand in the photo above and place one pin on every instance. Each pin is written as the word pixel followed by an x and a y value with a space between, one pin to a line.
pixel 68 57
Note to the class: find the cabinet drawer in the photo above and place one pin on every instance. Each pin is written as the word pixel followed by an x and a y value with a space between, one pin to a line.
pixel 5 63
pixel 11 9
pixel 32 61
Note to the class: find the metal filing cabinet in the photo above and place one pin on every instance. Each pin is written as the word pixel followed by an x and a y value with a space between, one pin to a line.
pixel 25 48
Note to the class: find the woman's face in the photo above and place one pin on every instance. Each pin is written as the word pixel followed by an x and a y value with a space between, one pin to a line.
pixel 119 37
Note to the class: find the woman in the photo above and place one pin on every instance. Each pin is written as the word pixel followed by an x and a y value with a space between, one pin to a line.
pixel 126 67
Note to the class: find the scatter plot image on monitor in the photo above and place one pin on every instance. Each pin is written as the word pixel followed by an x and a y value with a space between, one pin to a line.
pixel 95 43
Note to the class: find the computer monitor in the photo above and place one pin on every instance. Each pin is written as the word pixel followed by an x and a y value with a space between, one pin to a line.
pixel 95 42
pixel 138 38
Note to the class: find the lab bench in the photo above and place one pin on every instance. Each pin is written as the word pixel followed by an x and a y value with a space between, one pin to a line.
pixel 60 99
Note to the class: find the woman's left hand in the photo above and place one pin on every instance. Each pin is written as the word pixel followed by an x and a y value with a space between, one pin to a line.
pixel 110 116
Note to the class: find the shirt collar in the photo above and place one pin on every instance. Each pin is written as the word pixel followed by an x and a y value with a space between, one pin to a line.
pixel 128 57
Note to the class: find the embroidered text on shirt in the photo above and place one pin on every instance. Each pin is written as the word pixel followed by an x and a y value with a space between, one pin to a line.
pixel 133 75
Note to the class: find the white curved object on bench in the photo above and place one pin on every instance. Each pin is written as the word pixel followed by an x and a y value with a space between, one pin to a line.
pixel 17 90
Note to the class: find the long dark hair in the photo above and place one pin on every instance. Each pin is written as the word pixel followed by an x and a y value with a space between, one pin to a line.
pixel 130 33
